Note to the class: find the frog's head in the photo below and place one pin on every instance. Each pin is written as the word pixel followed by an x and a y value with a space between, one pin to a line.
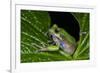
pixel 54 31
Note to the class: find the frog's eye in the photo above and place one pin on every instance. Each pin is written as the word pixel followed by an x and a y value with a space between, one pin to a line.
pixel 57 30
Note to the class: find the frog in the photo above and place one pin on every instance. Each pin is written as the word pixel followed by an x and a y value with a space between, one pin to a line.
pixel 62 40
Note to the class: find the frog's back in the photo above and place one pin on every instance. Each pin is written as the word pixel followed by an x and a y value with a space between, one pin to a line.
pixel 66 36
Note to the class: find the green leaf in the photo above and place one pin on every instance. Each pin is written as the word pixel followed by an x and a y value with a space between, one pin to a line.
pixel 82 51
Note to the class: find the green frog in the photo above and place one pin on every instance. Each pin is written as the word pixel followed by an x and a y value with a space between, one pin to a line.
pixel 62 40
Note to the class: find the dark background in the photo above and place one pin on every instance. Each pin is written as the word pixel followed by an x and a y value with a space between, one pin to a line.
pixel 66 21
